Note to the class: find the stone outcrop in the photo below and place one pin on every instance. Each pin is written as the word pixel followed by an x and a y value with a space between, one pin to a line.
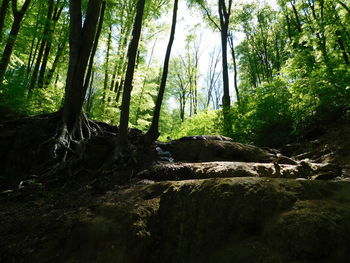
pixel 188 171
pixel 214 220
pixel 215 148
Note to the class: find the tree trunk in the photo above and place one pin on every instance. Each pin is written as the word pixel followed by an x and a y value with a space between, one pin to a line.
pixel 32 49
pixel 153 132
pixel 129 76
pixel 47 51
pixel 341 44
pixel 297 19
pixel 51 72
pixel 3 11
pixel 137 114
pixel 16 25
pixel 95 45
pixel 90 95
pixel 105 82
pixel 44 41
pixel 234 67
pixel 81 43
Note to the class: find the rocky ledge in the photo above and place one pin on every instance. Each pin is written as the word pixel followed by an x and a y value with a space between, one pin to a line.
pixel 212 220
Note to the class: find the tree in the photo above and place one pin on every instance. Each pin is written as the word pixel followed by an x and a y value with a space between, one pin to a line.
pixel 128 84
pixel 179 84
pixel 153 132
pixel 212 78
pixel 54 11
pixel 16 25
pixel 224 13
pixel 3 11
pixel 81 39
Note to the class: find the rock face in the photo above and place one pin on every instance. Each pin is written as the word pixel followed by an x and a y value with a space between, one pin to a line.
pixel 214 220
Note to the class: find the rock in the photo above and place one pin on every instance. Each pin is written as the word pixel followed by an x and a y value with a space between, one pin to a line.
pixel 324 176
pixel 254 220
pixel 214 220
pixel 281 159
pixel 215 148
pixel 190 171
pixel 186 171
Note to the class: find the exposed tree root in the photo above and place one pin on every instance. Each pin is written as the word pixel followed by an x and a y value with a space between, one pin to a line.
pixel 42 147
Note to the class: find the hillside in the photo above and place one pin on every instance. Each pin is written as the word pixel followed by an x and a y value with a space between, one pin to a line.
pixel 197 199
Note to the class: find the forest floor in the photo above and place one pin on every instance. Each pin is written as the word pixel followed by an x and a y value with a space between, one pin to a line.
pixel 125 210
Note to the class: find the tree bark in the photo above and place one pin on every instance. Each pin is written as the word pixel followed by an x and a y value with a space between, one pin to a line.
pixel 129 76
pixel 81 43
pixel 153 132
pixel 3 11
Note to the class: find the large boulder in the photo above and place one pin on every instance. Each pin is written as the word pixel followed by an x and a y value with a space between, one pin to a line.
pixel 215 148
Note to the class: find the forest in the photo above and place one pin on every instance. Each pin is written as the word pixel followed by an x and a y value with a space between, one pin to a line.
pixel 175 131
pixel 275 69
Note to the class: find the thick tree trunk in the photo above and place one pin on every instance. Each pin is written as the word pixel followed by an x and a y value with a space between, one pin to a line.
pixel 3 11
pixel 16 25
pixel 129 76
pixel 81 43
pixel 153 132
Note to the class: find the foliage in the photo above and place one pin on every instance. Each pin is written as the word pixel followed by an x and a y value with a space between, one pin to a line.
pixel 293 68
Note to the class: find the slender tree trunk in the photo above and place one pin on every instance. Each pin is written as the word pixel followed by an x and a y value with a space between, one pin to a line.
pixel 341 44
pixel 48 47
pixel 137 114
pixel 345 7
pixel 43 44
pixel 90 95
pixel 32 49
pixel 129 76
pixel 3 11
pixel 95 45
pixel 9 47
pixel 153 132
pixel 32 59
pixel 58 56
pixel 106 79
pixel 235 82
pixel 16 25
pixel 297 19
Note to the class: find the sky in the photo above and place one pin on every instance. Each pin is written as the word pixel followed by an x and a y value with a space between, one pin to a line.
pixel 210 37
